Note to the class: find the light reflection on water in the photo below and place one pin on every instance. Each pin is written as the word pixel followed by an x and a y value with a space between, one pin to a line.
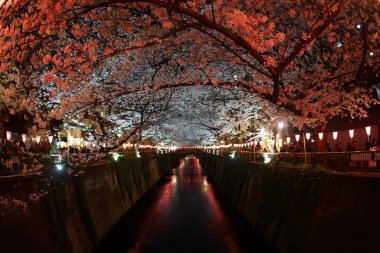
pixel 185 215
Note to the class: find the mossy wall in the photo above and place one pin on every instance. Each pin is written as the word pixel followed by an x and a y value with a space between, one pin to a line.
pixel 302 208
pixel 75 212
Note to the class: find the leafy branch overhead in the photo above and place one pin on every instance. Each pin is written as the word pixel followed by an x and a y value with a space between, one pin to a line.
pixel 98 63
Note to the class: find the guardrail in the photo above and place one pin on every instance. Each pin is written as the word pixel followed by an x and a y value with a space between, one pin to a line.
pixel 332 160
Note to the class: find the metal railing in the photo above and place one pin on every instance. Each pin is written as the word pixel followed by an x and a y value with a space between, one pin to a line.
pixel 332 160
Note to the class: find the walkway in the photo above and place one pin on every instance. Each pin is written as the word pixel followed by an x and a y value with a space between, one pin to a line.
pixel 182 214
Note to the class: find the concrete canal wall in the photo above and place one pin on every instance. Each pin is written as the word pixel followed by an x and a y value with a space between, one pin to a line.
pixel 302 209
pixel 73 212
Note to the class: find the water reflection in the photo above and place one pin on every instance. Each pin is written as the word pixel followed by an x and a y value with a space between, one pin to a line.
pixel 183 215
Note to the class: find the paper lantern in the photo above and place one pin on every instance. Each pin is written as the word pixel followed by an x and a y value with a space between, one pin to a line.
pixel 307 136
pixel 297 137
pixel 368 130
pixel 38 139
pixel 335 135
pixel 288 140
pixel 9 135
pixel 320 135
pixel 351 132
pixel 23 136
pixel 50 138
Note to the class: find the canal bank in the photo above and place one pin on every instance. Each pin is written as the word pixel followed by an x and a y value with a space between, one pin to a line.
pixel 184 212
pixel 302 209
pixel 72 213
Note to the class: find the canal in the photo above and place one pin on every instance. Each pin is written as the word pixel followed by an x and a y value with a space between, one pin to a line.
pixel 182 213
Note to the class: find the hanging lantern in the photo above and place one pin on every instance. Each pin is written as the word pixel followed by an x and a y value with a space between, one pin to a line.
pixel 254 143
pixel 288 140
pixel 9 135
pixel 50 138
pixel 320 135
pixel 368 130
pixel 38 139
pixel 351 132
pixel 23 136
pixel 307 136
pixel 335 135
pixel 297 137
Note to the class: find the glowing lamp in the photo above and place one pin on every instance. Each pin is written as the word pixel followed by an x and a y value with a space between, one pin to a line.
pixel 297 137
pixel 254 143
pixel 288 140
pixel 368 130
pixel 307 136
pixel 351 132
pixel 38 139
pixel 23 136
pixel 50 138
pixel 320 135
pixel 335 135
pixel 9 135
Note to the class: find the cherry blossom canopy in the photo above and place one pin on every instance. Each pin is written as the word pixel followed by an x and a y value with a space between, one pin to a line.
pixel 188 70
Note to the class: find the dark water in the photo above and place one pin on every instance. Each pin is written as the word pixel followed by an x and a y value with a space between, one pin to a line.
pixel 183 213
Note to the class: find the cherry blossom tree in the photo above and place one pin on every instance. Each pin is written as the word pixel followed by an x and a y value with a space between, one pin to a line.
pixel 316 59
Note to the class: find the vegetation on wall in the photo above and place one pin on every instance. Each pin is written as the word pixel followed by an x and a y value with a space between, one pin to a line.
pixel 83 208
pixel 53 187
pixel 289 197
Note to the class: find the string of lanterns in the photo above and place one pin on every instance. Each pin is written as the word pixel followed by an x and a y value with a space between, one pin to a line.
pixel 288 139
